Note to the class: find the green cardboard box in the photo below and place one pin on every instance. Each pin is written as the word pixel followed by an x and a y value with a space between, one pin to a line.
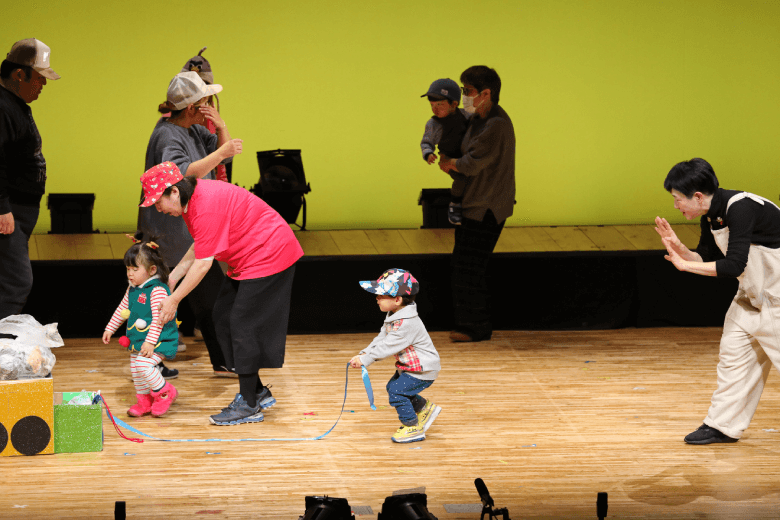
pixel 77 428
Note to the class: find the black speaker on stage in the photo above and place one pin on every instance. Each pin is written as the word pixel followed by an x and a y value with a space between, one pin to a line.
pixel 282 183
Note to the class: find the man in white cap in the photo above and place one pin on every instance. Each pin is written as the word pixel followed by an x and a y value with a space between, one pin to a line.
pixel 23 74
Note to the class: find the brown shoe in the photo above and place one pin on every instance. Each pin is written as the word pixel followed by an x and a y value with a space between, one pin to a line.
pixel 464 337
pixel 224 372
pixel 460 337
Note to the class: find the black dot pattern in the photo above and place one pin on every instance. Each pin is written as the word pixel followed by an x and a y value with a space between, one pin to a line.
pixel 30 435
pixel 3 438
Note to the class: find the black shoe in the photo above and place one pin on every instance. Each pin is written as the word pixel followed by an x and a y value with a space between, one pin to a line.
pixel 707 435
pixel 167 373
pixel 455 213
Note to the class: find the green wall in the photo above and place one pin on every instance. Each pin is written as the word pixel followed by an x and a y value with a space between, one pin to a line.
pixel 605 96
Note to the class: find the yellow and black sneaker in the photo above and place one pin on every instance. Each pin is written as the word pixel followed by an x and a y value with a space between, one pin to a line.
pixel 409 434
pixel 428 414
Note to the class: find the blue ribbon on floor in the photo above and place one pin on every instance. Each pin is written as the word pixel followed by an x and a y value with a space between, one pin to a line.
pixel 366 382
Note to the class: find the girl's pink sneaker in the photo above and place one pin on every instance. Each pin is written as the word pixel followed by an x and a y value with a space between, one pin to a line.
pixel 142 407
pixel 163 399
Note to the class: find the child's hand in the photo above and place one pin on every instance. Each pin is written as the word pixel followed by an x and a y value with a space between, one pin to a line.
pixel 147 349
pixel 106 337
pixel 355 362
pixel 432 158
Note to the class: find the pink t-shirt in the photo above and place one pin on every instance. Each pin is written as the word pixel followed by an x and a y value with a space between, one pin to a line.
pixel 237 227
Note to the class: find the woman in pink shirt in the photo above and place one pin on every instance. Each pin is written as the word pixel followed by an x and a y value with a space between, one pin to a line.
pixel 230 224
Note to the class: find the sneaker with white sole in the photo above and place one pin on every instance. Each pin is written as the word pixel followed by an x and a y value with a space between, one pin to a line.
pixel 237 412
pixel 428 414
pixel 409 434
pixel 265 398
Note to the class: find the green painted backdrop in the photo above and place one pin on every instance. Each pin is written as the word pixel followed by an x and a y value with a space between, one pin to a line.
pixel 605 96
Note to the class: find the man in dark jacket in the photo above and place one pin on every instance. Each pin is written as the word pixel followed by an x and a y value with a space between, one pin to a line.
pixel 488 164
pixel 23 75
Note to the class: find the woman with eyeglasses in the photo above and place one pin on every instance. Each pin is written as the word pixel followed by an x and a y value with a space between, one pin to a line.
pixel 183 139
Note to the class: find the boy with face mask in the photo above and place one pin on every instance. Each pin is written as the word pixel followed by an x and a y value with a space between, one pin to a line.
pixel 446 129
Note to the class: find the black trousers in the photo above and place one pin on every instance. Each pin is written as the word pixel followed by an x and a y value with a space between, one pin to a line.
pixel 16 277
pixel 251 318
pixel 474 244
pixel 201 300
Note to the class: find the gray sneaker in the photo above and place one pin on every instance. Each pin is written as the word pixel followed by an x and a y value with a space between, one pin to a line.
pixel 265 398
pixel 237 412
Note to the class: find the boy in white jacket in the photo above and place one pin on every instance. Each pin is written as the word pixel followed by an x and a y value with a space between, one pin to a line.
pixel 417 361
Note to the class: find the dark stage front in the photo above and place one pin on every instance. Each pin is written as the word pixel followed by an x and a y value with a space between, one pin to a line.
pixel 531 291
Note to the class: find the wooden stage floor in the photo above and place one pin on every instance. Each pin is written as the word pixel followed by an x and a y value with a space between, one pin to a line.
pixel 546 419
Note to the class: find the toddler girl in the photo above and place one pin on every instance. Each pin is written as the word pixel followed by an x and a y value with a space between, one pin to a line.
pixel 148 342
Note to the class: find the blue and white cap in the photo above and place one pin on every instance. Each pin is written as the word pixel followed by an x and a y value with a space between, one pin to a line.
pixel 393 282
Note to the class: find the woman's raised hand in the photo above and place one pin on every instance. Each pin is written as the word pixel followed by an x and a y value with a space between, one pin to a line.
pixel 668 235
pixel 673 256
pixel 212 115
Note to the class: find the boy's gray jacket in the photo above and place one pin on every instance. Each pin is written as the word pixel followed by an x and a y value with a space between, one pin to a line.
pixel 404 335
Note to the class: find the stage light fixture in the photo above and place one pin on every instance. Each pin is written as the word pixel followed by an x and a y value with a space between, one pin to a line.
pixel 327 508
pixel 120 510
pixel 413 506
pixel 601 506
pixel 487 503
pixel 282 183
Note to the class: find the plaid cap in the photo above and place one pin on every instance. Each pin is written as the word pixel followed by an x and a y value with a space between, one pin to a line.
pixel 200 65
pixel 393 282
pixel 33 53
pixel 156 180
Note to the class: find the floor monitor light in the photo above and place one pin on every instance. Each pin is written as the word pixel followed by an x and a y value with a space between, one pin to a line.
pixel 327 508
pixel 413 506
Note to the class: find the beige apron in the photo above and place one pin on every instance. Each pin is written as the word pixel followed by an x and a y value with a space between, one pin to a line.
pixel 751 335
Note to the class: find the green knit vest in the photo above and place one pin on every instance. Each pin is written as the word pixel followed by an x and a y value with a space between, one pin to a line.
pixel 139 301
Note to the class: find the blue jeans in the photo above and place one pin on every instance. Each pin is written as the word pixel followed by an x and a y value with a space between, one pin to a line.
pixel 403 391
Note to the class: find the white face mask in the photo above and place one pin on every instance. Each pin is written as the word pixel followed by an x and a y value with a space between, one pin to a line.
pixel 468 104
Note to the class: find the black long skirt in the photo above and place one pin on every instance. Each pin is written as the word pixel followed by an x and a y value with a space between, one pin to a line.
pixel 251 318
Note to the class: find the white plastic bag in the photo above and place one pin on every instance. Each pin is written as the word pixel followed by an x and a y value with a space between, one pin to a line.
pixel 28 355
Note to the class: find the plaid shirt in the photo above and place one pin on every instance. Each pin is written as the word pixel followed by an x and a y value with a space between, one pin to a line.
pixel 403 336
pixel 407 360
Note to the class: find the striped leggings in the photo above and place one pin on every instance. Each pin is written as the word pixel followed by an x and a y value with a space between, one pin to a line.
pixel 146 377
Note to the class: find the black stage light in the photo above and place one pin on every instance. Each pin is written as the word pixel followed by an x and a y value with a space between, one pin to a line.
pixel 282 183
pixel 601 506
pixel 327 508
pixel 120 510
pixel 413 506
pixel 487 503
